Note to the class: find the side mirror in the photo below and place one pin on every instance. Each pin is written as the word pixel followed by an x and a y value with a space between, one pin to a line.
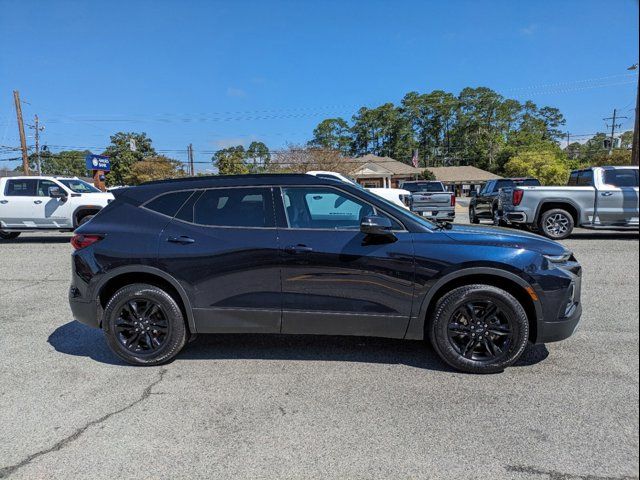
pixel 374 225
pixel 56 192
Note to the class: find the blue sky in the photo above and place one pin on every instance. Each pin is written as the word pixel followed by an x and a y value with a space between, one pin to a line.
pixel 222 73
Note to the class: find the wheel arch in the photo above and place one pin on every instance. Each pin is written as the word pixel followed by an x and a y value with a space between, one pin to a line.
pixel 563 203
pixel 83 211
pixel 505 280
pixel 152 276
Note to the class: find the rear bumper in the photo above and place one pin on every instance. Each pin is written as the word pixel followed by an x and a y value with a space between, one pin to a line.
pixel 448 213
pixel 84 312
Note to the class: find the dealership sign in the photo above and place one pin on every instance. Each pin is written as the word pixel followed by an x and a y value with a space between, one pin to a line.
pixel 98 162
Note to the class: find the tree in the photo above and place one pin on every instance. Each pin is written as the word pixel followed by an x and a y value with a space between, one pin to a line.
pixel 154 168
pixel 302 159
pixel 546 164
pixel 257 157
pixel 123 157
pixel 69 163
pixel 231 161
pixel 334 134
pixel 626 139
pixel 619 156
pixel 427 175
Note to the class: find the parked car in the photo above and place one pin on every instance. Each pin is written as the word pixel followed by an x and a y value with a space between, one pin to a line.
pixel 484 205
pixel 394 195
pixel 430 199
pixel 596 198
pixel 47 203
pixel 299 254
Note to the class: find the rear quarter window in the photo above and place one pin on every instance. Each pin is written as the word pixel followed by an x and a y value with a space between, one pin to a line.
pixel 168 203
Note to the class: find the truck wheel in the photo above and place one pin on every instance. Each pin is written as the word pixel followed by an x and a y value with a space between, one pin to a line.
pixel 85 219
pixel 479 329
pixel 144 325
pixel 8 235
pixel 473 218
pixel 556 224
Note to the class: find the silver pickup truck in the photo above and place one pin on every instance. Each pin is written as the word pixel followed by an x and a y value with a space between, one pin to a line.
pixel 596 198
pixel 430 199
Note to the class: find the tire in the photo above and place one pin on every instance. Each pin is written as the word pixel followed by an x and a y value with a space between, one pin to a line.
pixel 455 332
pixel 473 218
pixel 556 224
pixel 85 219
pixel 163 330
pixel 8 235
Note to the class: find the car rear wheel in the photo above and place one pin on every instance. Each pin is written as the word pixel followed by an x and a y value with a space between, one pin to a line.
pixel 479 329
pixel 556 224
pixel 85 219
pixel 473 217
pixel 144 325
pixel 8 235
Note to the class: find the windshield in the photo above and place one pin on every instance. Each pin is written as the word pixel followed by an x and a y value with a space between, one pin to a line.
pixel 79 186
pixel 423 187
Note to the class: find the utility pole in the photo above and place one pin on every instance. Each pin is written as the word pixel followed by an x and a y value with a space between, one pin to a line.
pixel 613 128
pixel 634 146
pixel 190 156
pixel 23 138
pixel 36 126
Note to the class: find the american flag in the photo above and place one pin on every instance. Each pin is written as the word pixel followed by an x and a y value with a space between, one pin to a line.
pixel 414 159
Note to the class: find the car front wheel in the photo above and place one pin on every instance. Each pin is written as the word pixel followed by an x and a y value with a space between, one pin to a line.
pixel 473 217
pixel 144 325
pixel 479 329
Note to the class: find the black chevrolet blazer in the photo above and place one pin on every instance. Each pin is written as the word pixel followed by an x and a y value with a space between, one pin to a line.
pixel 305 255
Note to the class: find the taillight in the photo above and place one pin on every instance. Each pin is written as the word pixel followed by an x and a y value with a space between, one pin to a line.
pixel 517 197
pixel 82 241
pixel 453 200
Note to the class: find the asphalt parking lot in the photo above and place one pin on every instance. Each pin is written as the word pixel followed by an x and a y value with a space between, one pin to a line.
pixel 313 407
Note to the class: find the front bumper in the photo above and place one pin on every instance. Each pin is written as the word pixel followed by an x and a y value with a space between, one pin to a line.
pixel 560 330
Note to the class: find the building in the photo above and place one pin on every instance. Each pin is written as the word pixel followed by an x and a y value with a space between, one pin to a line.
pixel 372 171
pixel 462 180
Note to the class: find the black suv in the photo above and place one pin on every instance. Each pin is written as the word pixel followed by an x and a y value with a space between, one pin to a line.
pixel 305 255
pixel 484 205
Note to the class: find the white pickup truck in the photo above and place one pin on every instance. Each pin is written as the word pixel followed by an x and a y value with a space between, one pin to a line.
pixel 47 203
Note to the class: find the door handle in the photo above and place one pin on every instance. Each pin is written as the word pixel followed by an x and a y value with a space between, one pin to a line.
pixel 297 249
pixel 606 194
pixel 4 201
pixel 183 240
pixel 37 202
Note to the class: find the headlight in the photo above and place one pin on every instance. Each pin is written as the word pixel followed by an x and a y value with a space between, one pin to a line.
pixel 565 257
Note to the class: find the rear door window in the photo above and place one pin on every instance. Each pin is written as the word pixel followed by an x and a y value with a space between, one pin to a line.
pixel 621 178
pixel 235 207
pixel 21 188
pixel 585 178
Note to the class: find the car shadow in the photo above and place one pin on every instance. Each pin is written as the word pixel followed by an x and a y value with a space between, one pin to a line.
pixel 75 338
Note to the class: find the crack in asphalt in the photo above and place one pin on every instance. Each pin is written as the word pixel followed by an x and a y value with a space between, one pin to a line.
pixel 555 475
pixel 6 471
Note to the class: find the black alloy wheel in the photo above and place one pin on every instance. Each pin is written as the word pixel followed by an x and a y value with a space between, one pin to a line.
pixel 480 331
pixel 144 325
pixel 479 328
